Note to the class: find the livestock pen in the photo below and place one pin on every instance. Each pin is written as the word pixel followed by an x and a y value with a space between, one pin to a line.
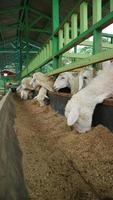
pixel 42 158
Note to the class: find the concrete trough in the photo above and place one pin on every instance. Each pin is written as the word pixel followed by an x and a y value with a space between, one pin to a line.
pixel 12 185
pixel 103 113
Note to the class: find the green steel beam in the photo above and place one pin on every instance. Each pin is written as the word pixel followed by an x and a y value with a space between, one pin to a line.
pixel 37 12
pixel 11 10
pixel 97 44
pixel 97 41
pixel 107 35
pixel 100 57
pixel 55 14
pixel 27 34
pixel 106 21
pixel 33 42
pixel 55 25
pixel 75 55
pixel 39 30
pixel 75 9
pixel 90 43
pixel 101 24
pixel 21 18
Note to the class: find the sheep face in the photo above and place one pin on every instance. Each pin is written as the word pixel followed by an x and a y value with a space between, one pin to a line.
pixel 34 81
pixel 62 81
pixel 85 77
pixel 24 94
pixel 18 89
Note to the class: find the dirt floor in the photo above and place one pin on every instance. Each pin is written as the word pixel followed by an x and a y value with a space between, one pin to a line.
pixel 60 164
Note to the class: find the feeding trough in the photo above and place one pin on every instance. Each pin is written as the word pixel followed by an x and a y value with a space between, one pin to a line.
pixel 103 113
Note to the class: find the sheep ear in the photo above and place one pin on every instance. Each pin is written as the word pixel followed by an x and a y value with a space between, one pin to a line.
pixel 81 82
pixel 73 116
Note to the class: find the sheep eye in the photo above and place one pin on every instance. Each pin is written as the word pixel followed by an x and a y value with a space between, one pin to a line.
pixel 85 77
pixel 62 78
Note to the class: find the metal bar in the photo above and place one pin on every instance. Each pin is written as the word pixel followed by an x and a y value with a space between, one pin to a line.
pixel 78 2
pixel 55 24
pixel 27 36
pixel 35 11
pixel 61 39
pixel 97 10
pixel 55 7
pixel 90 43
pixel 97 42
pixel 100 57
pixel 111 5
pixel 83 17
pixel 66 33
pixel 97 45
pixel 74 32
pixel 107 35
pixel 39 30
pixel 101 24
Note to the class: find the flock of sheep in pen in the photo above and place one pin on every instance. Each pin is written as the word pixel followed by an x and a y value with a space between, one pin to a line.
pixel 87 91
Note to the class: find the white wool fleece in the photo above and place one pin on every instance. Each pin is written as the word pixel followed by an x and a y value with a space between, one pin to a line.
pixel 79 109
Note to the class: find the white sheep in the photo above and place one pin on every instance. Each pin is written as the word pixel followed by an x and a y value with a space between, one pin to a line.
pixel 41 96
pixel 24 94
pixel 40 79
pixel 79 109
pixel 25 83
pixel 74 80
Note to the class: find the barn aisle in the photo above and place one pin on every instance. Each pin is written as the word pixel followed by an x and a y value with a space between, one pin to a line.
pixel 55 166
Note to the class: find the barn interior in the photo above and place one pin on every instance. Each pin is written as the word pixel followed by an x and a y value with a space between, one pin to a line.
pixel 42 158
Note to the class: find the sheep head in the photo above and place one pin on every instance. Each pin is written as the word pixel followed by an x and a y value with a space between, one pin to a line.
pixel 79 114
pixel 85 76
pixel 72 111
pixel 63 80
pixel 40 79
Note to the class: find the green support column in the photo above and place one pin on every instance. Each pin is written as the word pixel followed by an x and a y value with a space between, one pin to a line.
pixel 50 48
pixel 97 10
pixel 55 20
pixel 97 45
pixel 20 56
pixel 111 40
pixel 27 36
pixel 83 17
